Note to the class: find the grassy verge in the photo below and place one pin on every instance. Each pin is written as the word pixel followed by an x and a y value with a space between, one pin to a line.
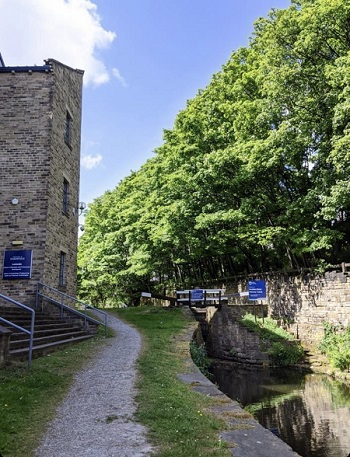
pixel 28 398
pixel 177 417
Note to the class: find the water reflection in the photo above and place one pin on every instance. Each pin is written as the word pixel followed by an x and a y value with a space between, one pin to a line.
pixel 309 412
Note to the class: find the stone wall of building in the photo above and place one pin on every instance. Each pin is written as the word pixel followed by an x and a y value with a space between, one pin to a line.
pixel 61 228
pixel 34 160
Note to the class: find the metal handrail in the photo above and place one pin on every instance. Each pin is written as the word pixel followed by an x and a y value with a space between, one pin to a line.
pixel 22 329
pixel 69 309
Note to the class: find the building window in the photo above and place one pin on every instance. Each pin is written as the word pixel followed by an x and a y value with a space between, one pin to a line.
pixel 69 124
pixel 65 196
pixel 62 275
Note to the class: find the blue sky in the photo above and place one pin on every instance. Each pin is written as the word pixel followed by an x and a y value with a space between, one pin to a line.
pixel 143 59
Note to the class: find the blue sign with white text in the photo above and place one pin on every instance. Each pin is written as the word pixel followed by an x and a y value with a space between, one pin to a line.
pixel 257 290
pixel 197 295
pixel 17 265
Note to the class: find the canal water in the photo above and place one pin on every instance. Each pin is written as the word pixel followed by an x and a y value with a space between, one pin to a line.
pixel 310 412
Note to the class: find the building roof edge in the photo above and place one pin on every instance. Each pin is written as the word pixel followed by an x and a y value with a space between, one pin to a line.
pixel 50 61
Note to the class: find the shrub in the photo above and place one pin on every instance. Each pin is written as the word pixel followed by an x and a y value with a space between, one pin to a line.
pixel 336 346
pixel 200 358
pixel 283 354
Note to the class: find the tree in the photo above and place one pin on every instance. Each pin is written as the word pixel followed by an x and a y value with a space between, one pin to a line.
pixel 252 177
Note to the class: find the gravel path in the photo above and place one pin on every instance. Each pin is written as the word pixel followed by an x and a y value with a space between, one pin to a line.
pixel 96 418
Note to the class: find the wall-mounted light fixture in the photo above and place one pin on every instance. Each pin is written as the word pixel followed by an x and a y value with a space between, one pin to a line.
pixel 82 206
pixel 14 201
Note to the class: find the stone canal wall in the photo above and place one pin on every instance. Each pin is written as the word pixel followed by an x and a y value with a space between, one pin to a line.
pixel 226 338
pixel 303 303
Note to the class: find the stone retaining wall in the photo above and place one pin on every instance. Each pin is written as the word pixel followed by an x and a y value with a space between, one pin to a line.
pixel 227 339
pixel 303 303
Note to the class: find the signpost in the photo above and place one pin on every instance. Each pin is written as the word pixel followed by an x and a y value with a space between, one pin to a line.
pixel 17 265
pixel 146 294
pixel 197 295
pixel 257 291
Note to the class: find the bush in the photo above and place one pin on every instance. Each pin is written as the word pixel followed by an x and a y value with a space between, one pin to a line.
pixel 200 358
pixel 283 354
pixel 336 346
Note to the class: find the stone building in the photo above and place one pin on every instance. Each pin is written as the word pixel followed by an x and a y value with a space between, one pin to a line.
pixel 40 124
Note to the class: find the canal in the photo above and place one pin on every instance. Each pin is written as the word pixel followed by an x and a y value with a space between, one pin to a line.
pixel 310 412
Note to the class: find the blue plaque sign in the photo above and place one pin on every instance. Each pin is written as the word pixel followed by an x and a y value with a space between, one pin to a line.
pixel 197 295
pixel 17 265
pixel 257 290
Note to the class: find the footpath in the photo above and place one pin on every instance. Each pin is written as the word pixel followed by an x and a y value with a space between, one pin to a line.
pixel 96 418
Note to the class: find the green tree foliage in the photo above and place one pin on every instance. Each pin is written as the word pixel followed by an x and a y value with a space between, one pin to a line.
pixel 252 177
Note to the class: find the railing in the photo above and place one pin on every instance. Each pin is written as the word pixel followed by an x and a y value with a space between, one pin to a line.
pixel 22 329
pixel 78 308
pixel 201 297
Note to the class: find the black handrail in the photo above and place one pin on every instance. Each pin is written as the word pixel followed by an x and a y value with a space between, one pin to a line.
pixel 60 303
pixel 22 329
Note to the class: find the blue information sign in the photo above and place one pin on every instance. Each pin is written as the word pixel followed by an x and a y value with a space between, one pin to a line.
pixel 17 265
pixel 197 295
pixel 257 290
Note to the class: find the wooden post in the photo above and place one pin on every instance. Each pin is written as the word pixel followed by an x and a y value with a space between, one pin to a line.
pixel 254 307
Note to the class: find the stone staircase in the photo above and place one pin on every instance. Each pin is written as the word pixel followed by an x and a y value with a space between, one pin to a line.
pixel 50 333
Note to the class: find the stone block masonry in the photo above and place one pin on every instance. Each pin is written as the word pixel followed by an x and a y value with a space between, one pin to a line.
pixel 228 339
pixel 35 161
pixel 304 302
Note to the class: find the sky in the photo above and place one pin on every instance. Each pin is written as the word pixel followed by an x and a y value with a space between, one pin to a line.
pixel 143 59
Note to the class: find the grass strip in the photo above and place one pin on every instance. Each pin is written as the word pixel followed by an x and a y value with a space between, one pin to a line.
pixel 29 397
pixel 178 418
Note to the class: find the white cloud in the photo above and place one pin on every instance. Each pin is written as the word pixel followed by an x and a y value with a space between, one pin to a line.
pixel 67 30
pixel 119 77
pixel 89 161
